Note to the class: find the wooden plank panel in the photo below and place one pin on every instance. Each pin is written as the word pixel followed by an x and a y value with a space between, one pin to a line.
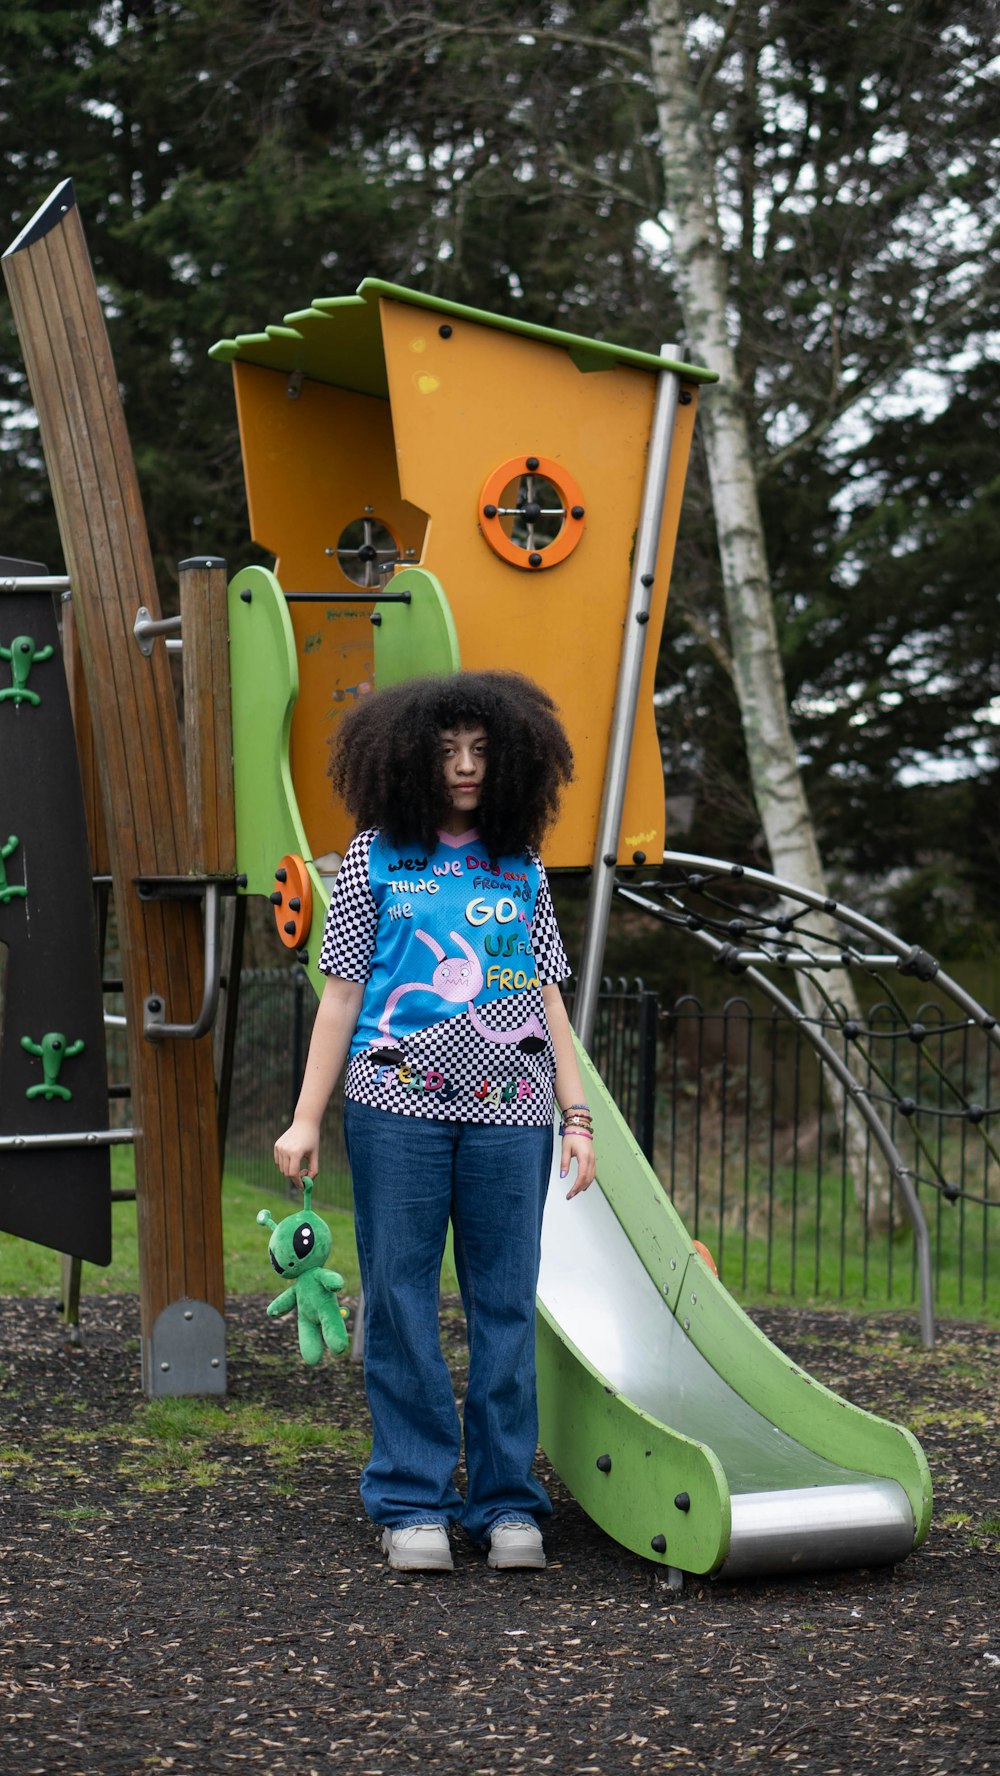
pixel 137 741
pixel 208 740
pixel 108 488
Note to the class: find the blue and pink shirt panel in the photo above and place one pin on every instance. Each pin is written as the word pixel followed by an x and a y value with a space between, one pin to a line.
pixel 454 949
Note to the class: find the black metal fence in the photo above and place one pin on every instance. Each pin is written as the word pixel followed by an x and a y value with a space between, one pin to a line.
pixel 731 1107
pixel 276 1011
pixel 751 1146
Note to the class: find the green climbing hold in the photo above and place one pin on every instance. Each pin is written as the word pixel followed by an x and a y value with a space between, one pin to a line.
pixel 23 655
pixel 52 1051
pixel 9 890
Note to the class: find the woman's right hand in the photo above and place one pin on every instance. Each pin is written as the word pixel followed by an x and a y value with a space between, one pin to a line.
pixel 296 1152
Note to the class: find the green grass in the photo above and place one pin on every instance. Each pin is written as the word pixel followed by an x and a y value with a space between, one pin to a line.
pixel 771 1266
pixel 186 1442
pixel 787 1254
pixel 13 1459
pixel 166 1444
pixel 983 1536
pixel 27 1269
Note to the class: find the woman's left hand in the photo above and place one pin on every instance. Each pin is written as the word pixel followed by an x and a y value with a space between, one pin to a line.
pixel 577 1146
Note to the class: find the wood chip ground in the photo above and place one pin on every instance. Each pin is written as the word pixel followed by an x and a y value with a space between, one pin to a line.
pixel 204 1595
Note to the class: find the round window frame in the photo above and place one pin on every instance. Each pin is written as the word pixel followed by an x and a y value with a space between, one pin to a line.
pixel 371 523
pixel 562 545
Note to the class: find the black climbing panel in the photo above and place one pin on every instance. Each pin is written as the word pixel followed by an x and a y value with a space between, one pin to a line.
pixel 53 1072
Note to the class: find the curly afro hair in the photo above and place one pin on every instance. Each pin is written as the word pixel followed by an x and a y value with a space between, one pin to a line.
pixel 386 760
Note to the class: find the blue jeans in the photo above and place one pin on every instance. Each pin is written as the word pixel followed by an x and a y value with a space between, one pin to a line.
pixel 411 1175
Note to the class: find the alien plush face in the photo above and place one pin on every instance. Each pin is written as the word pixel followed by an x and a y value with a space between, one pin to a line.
pixel 300 1242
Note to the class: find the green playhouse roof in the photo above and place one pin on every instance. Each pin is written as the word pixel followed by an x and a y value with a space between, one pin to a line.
pixel 337 339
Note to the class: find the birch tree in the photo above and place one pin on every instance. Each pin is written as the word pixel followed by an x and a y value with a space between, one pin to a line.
pixel 863 248
pixel 754 654
pixel 694 192
pixel 702 278
pixel 755 660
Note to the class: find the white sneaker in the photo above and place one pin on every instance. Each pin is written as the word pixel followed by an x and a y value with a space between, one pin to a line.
pixel 421 1547
pixel 516 1544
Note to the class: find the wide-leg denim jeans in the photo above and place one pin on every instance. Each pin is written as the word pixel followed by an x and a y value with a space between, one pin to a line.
pixel 411 1175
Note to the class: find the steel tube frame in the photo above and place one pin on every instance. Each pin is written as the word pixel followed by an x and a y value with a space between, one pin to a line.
pixel 154 1026
pixel 361 597
pixel 626 700
pixel 40 583
pixel 901 952
pixel 81 1138
pixel 147 628
pixel 830 1057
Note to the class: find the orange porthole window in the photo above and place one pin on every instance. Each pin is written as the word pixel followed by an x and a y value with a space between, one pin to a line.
pixel 292 901
pixel 531 512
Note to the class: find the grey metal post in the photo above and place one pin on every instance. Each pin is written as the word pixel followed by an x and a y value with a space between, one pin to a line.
pixel 626 699
pixel 649 1008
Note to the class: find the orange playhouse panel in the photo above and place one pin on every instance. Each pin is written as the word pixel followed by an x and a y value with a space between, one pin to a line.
pixel 467 401
pixel 467 398
pixel 319 459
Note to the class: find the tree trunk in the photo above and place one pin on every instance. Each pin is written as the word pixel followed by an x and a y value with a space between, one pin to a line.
pixel 700 271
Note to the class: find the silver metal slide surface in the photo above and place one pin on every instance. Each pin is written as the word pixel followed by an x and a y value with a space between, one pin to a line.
pixel 791 1509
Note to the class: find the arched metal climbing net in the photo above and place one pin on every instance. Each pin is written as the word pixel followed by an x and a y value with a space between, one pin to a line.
pixel 761 927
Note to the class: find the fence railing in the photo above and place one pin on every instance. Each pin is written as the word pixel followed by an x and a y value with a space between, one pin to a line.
pixel 730 1107
pixel 757 1162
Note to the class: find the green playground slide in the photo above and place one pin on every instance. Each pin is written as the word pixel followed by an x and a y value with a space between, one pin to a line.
pixel 680 1429
pixel 676 1424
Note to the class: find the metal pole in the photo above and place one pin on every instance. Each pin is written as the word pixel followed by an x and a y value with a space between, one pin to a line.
pixel 72 1138
pixel 38 583
pixel 154 1026
pixel 649 1007
pixel 626 700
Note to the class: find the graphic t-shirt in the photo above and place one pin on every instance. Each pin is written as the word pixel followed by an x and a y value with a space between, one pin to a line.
pixel 454 949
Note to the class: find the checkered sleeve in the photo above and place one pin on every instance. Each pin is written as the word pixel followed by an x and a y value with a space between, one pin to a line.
pixel 349 933
pixel 551 960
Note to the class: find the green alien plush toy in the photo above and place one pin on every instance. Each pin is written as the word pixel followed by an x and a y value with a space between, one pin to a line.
pixel 299 1247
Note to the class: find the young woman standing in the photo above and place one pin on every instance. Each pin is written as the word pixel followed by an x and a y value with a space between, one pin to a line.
pixel 443 960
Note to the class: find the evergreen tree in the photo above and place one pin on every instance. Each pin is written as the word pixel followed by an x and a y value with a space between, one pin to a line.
pixel 234 158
